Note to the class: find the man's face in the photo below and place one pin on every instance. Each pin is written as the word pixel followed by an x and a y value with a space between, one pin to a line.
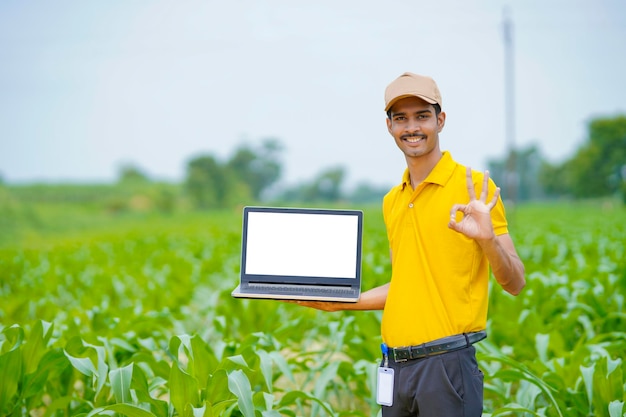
pixel 415 126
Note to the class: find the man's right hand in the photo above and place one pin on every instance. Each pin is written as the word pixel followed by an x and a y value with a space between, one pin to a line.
pixel 320 305
pixel 373 299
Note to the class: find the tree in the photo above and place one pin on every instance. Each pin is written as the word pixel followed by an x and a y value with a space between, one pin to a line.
pixel 554 179
pixel 130 174
pixel 208 182
pixel 244 177
pixel 596 169
pixel 328 184
pixel 367 193
pixel 525 181
pixel 326 187
pixel 259 168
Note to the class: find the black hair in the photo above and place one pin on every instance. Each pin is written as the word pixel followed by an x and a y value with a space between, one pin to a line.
pixel 436 106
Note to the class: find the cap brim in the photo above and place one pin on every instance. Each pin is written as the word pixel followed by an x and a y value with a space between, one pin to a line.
pixel 395 100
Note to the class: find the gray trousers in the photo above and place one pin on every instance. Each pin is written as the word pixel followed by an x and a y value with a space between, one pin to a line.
pixel 449 385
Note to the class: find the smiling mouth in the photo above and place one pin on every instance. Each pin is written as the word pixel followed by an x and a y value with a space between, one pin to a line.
pixel 413 139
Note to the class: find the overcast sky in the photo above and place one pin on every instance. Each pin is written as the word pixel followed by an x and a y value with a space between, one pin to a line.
pixel 86 86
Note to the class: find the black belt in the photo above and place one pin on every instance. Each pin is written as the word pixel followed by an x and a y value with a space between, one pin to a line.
pixel 436 347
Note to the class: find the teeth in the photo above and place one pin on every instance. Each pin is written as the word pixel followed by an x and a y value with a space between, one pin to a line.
pixel 413 139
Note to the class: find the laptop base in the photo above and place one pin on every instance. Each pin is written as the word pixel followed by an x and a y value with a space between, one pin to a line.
pixel 276 295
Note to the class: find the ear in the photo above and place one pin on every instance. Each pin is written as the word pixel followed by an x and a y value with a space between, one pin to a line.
pixel 441 121
pixel 389 125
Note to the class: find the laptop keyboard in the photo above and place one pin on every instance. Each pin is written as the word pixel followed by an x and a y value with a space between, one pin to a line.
pixel 300 289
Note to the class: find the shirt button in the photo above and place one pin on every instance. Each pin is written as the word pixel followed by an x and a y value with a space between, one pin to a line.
pixel 410 205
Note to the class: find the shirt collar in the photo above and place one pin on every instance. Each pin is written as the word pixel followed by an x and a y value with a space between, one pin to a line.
pixel 440 174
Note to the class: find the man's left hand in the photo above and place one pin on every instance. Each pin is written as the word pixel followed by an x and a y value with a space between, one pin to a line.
pixel 476 222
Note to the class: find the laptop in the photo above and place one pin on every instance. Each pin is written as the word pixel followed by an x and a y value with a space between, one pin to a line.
pixel 300 254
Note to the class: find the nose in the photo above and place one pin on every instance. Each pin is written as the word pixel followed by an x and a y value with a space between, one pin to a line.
pixel 413 126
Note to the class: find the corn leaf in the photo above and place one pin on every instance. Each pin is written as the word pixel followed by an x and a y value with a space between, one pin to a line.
pixel 120 383
pixel 616 408
pixel 183 389
pixel 128 410
pixel 205 361
pixel 293 397
pixel 36 346
pixel 266 368
pixel 239 385
pixel 10 376
pixel 217 389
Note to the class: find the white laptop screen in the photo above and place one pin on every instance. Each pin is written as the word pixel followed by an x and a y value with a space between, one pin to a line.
pixel 302 244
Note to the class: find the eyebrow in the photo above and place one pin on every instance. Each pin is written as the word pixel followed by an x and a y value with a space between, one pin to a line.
pixel 402 113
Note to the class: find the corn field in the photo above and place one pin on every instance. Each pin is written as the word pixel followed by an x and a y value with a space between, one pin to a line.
pixel 133 317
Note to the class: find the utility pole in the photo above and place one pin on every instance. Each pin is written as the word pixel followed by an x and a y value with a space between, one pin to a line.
pixel 511 175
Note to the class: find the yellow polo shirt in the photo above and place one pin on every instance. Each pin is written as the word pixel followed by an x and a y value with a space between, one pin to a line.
pixel 439 277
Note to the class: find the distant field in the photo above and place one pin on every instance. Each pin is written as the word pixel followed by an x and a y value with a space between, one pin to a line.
pixel 130 312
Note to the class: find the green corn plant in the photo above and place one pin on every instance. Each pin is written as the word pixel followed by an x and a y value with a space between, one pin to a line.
pixel 136 319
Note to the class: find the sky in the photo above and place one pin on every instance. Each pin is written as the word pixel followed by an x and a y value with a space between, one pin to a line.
pixel 87 87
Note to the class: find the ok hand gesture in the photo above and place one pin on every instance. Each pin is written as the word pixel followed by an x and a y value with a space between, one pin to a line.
pixel 476 222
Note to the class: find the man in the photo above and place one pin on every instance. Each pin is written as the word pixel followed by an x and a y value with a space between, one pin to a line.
pixel 446 226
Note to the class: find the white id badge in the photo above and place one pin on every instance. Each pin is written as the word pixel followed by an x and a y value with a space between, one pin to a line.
pixel 384 393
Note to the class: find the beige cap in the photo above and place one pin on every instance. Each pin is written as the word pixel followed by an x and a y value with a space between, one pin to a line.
pixel 412 85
